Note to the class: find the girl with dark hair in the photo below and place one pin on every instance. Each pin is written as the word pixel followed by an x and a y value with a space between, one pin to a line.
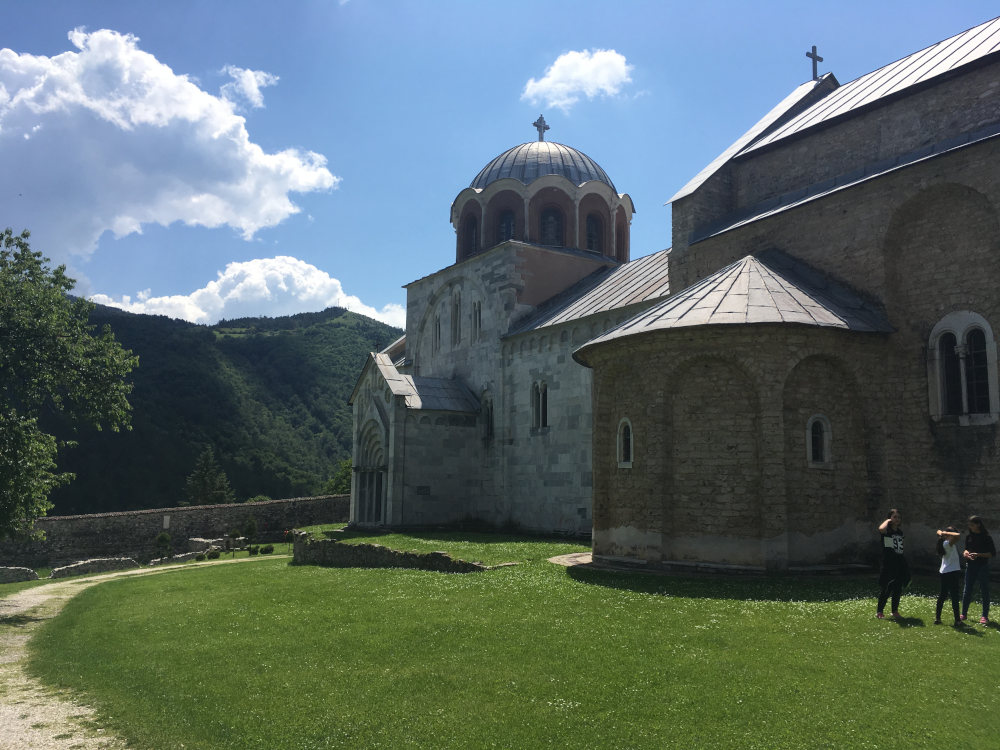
pixel 895 573
pixel 979 549
pixel 951 571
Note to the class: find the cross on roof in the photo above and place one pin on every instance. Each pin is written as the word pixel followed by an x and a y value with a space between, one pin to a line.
pixel 816 59
pixel 541 126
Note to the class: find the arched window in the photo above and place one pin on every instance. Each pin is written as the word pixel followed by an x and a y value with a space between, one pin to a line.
pixel 456 319
pixel 552 227
pixel 962 369
pixel 625 444
pixel 539 406
pixel 471 235
pixel 488 419
pixel 505 226
pixel 477 320
pixel 595 233
pixel 437 333
pixel 818 439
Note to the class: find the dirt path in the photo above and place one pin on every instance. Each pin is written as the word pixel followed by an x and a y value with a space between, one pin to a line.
pixel 33 715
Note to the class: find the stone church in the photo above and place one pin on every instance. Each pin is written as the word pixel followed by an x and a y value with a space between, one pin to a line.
pixel 479 413
pixel 816 346
pixel 827 350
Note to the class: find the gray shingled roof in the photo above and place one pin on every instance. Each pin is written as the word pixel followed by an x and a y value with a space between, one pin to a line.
pixel 433 394
pixel 612 288
pixel 770 287
pixel 943 57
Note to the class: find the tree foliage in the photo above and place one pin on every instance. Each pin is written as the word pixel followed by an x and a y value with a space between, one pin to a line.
pixel 53 364
pixel 208 483
pixel 268 394
pixel 340 484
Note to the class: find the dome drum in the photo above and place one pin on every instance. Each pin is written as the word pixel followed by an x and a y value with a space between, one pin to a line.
pixel 547 194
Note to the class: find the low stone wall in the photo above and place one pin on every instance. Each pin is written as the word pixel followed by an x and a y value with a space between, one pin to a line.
pixel 13 575
pixel 86 567
pixel 133 533
pixel 334 554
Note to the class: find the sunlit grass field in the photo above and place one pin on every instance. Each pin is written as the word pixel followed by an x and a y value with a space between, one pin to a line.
pixel 267 654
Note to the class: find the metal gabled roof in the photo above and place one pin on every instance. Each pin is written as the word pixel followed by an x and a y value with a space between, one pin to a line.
pixel 770 287
pixel 433 394
pixel 529 161
pixel 912 70
pixel 641 280
pixel 789 103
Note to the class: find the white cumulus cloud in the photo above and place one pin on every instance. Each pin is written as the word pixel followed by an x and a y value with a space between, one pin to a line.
pixel 246 85
pixel 107 138
pixel 590 73
pixel 266 286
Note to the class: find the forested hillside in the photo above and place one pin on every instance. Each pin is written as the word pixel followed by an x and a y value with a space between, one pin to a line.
pixel 269 395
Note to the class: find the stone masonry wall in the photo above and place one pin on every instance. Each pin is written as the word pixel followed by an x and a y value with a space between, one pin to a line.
pixel 335 554
pixel 133 533
pixel 716 472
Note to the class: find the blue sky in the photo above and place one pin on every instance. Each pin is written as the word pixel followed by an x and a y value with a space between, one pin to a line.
pixel 227 158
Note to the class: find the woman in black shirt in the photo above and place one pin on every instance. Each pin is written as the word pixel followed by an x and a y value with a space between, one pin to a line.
pixel 979 549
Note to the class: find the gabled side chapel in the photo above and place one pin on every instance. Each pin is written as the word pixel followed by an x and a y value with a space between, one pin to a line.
pixel 825 347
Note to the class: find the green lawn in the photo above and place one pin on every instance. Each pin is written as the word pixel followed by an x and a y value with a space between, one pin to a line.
pixel 273 655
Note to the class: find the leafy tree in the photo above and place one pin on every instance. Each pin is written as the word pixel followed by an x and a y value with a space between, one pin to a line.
pixel 208 483
pixel 250 530
pixel 340 484
pixel 53 365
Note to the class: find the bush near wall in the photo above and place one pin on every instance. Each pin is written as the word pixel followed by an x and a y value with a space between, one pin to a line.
pixel 133 533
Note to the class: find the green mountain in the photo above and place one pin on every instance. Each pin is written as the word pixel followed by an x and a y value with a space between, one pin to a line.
pixel 269 395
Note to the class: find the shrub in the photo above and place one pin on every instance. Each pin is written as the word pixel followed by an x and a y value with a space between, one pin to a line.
pixel 254 550
pixel 213 554
pixel 267 549
pixel 259 499
pixel 200 556
pixel 163 544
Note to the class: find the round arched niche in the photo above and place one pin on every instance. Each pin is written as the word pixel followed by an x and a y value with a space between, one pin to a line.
pixel 715 455
pixel 945 234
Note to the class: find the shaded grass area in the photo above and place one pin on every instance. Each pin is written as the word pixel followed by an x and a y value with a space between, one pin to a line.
pixel 273 655
pixel 491 549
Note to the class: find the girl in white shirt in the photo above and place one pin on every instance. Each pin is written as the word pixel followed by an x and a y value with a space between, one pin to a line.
pixel 951 571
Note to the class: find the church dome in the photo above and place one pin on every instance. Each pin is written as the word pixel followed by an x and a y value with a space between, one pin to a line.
pixel 529 161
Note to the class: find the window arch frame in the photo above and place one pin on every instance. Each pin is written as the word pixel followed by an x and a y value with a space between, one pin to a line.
pixel 948 400
pixel 825 460
pixel 506 227
pixel 470 235
pixel 456 318
pixel 539 406
pixel 559 217
pixel 594 233
pixel 625 444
